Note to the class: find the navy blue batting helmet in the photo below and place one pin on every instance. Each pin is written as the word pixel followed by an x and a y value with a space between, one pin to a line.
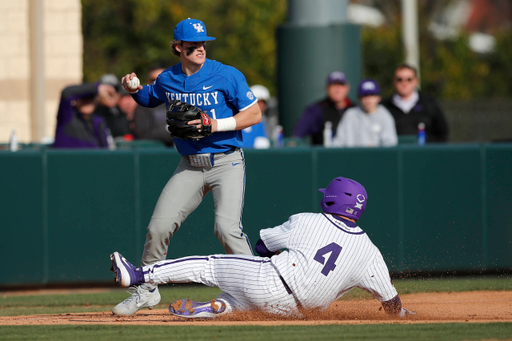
pixel 345 197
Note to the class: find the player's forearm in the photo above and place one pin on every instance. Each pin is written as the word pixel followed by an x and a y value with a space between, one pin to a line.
pixel 248 117
pixel 393 306
pixel 143 98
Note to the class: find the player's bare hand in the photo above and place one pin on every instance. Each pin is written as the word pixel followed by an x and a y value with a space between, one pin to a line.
pixel 125 81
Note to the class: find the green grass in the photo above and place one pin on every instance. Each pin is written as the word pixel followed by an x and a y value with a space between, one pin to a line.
pixel 79 303
pixel 75 303
pixel 438 332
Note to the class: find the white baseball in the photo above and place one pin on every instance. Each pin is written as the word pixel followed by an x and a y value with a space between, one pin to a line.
pixel 134 83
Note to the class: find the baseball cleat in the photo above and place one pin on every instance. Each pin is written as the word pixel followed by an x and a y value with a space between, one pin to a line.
pixel 190 309
pixel 140 298
pixel 126 273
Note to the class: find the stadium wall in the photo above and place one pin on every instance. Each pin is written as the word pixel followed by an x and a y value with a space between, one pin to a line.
pixel 432 208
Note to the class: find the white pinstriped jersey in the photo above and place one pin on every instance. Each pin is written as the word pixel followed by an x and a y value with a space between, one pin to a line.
pixel 326 257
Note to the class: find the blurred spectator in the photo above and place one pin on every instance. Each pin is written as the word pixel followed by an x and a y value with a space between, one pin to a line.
pixel 77 125
pixel 108 108
pixel 330 109
pixel 128 105
pixel 256 136
pixel 368 125
pixel 149 123
pixel 410 107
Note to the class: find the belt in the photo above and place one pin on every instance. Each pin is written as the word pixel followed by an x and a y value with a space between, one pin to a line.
pixel 300 308
pixel 207 159
pixel 230 151
pixel 288 290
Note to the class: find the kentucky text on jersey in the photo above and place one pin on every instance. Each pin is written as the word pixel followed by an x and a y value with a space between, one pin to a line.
pixel 198 99
pixel 218 89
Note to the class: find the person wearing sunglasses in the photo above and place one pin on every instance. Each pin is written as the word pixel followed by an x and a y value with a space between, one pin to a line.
pixel 411 107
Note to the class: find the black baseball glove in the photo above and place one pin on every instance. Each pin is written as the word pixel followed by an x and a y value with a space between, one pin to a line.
pixel 179 114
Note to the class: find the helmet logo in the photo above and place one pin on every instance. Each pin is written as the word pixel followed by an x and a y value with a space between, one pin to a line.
pixel 361 199
pixel 349 210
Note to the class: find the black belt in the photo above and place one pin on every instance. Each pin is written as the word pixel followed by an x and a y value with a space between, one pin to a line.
pixel 231 151
pixel 288 290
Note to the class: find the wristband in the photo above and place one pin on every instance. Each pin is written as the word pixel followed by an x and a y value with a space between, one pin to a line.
pixel 226 124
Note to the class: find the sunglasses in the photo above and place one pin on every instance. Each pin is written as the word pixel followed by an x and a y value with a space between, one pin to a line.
pixel 400 79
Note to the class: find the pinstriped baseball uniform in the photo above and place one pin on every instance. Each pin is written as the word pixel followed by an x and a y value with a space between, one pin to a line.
pixel 326 256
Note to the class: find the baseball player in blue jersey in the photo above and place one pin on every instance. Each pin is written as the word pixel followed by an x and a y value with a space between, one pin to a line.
pixel 214 162
pixel 324 255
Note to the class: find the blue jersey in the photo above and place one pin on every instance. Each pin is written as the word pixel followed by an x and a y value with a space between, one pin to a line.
pixel 218 89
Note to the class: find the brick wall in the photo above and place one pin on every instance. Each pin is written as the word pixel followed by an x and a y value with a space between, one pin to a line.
pixel 62 62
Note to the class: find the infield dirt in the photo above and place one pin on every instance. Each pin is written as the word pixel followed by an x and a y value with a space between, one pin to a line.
pixel 469 307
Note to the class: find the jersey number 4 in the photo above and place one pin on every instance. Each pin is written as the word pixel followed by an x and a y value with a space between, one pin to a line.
pixel 329 266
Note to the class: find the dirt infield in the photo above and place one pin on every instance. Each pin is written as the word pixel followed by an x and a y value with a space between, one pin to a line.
pixel 476 306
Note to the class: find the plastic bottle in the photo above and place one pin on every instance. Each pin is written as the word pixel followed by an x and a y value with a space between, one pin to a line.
pixel 328 134
pixel 278 136
pixel 110 141
pixel 13 142
pixel 421 134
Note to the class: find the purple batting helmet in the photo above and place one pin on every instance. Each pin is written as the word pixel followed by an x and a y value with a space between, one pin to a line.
pixel 345 197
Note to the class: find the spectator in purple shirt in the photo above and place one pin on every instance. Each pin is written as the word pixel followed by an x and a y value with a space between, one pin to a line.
pixel 330 109
pixel 77 126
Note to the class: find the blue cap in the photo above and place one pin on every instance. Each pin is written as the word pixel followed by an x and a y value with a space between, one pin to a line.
pixel 191 30
pixel 368 87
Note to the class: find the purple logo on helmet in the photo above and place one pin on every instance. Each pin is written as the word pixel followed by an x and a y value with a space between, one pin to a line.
pixel 345 197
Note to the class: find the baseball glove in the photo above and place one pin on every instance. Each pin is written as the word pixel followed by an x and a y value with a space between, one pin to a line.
pixel 179 114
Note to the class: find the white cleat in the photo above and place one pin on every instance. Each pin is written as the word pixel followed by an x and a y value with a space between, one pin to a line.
pixel 141 298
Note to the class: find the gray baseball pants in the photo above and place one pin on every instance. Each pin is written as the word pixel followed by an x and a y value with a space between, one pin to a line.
pixel 184 192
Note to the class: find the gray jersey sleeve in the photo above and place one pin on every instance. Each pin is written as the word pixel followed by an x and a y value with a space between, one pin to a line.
pixel 376 280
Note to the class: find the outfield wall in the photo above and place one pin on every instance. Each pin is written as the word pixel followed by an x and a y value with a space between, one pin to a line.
pixel 432 208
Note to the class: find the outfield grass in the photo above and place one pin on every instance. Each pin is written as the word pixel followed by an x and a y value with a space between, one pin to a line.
pixel 76 303
pixel 70 303
pixel 438 332
pixel 94 302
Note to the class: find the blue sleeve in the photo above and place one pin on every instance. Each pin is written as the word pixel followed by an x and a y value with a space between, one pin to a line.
pixel 238 91
pixel 150 96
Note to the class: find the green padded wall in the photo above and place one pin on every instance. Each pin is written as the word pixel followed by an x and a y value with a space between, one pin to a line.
pixel 90 211
pixel 497 200
pixel 23 229
pixel 431 208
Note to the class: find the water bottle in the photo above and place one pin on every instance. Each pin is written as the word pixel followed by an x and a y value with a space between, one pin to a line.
pixel 278 136
pixel 111 143
pixel 13 142
pixel 421 134
pixel 328 134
